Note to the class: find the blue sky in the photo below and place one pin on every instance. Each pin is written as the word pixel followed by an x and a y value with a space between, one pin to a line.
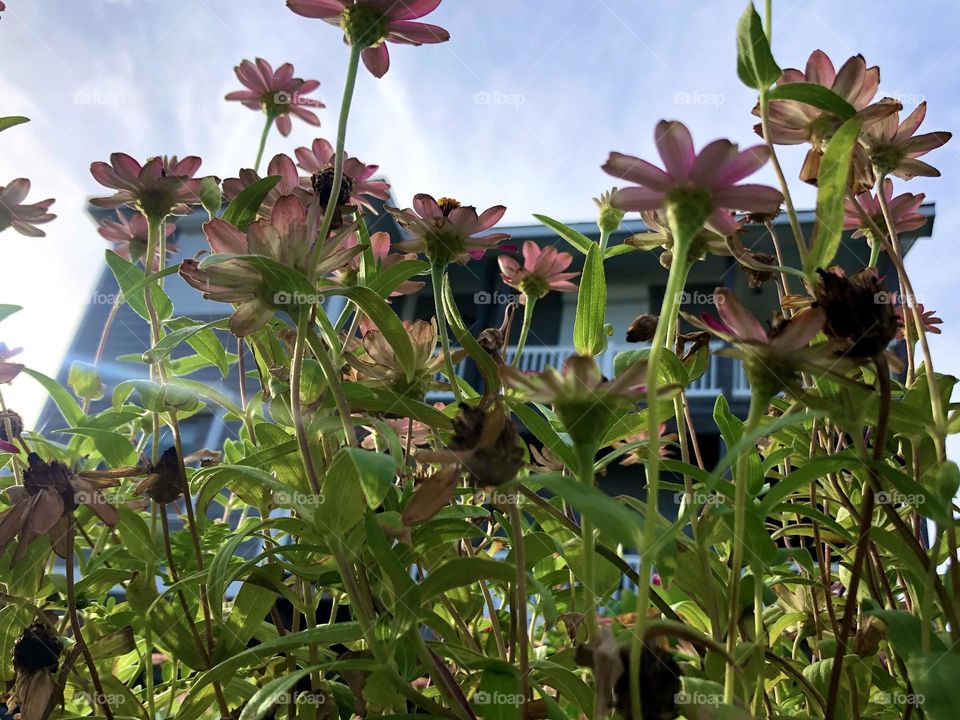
pixel 521 107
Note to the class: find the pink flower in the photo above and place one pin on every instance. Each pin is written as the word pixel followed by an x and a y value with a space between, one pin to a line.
pixel 541 272
pixel 893 148
pixel 9 370
pixel 929 318
pixel 22 218
pixel 318 159
pixel 278 93
pixel 368 24
pixel 280 166
pixel 163 186
pixel 709 178
pixel 903 210
pixel 738 325
pixel 446 231
pixel 128 233
pixel 384 259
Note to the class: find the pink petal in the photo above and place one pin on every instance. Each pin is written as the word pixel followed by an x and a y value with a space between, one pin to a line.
pixel 740 320
pixel 426 207
pixel 850 78
pixel 676 148
pixel 819 69
pixel 407 9
pixel 490 217
pixel 636 170
pixel 749 198
pixel 224 237
pixel 638 198
pixel 320 9
pixel 711 163
pixel 913 121
pixel 416 33
pixel 377 60
pixel 800 330
pixel 723 222
pixel 744 164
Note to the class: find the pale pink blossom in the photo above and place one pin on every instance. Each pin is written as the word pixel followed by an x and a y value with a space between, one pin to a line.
pixel 277 92
pixel 163 186
pixel 543 270
pixel 128 233
pixel 281 166
pixel 21 216
pixel 893 146
pixel 903 210
pixel 357 175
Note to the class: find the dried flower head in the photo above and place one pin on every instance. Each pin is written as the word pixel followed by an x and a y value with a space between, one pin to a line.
pixel 163 483
pixel 858 311
pixel 643 328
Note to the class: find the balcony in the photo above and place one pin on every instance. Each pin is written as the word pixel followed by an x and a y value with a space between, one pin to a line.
pixel 724 376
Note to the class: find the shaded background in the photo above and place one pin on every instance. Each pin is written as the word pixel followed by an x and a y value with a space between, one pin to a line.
pixel 520 108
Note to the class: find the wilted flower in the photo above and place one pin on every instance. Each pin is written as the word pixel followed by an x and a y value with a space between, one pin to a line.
pixel 16 427
pixel 36 657
pixel 893 148
pixel 446 231
pixel 41 506
pixel 128 233
pixel 756 276
pixel 21 217
pixel 280 166
pixel 163 186
pixel 703 184
pixel 903 210
pixel 485 442
pixel 639 453
pixel 928 317
pixel 583 399
pixel 384 259
pixel 163 483
pixel 706 242
pixel 772 357
pixel 278 93
pixel 369 24
pixel 543 270
pixel 357 185
pixel 9 370
pixel 379 361
pixel 857 311
pixel 643 328
pixel 284 238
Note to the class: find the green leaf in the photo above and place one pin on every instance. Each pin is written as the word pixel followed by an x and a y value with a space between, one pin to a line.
pixel 589 337
pixel 206 343
pixel 156 396
pixel 245 206
pixel 831 192
pixel 755 64
pixel 465 571
pixel 580 241
pixel 115 448
pixel 389 279
pixel 816 95
pixel 131 280
pixel 934 678
pixel 210 195
pixel 273 693
pixel 904 630
pixel 8 310
pixel 250 607
pixel 85 381
pixel 168 343
pixel 61 397
pixel 12 120
pixel 354 476
pixel 498 697
pixel 613 518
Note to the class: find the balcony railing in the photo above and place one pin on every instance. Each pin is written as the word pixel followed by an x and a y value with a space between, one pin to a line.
pixel 724 376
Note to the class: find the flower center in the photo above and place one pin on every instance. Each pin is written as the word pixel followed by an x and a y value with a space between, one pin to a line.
pixel 534 286
pixel 447 205
pixel 322 183
pixel 364 25
pixel 53 475
pixel 886 158
pixel 688 208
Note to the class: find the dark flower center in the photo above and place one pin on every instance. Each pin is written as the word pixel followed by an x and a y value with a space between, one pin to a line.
pixel 858 310
pixel 167 485
pixel 322 183
pixel 37 649
pixel 448 205
pixel 52 475
pixel 364 25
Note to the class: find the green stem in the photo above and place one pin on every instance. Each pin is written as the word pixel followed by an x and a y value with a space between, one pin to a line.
pixel 587 475
pixel 296 405
pixel 525 328
pixel 758 408
pixel 676 281
pixel 330 210
pixel 520 591
pixel 263 140
pixel 874 250
pixel 437 275
pixel 604 239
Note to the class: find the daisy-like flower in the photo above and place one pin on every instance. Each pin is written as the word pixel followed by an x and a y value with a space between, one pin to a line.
pixel 543 270
pixel 903 210
pixel 42 505
pixel 163 186
pixel 893 147
pixel 384 259
pixel 639 454
pixel 358 184
pixel 277 92
pixel 703 184
pixel 128 233
pixel 281 166
pixel 446 231
pixel 773 357
pixel 706 242
pixel 378 361
pixel 284 238
pixel 9 370
pixel 928 317
pixel 583 399
pixel 370 24
pixel 20 216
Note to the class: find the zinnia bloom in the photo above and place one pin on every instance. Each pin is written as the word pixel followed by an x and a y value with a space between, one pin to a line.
pixel 928 317
pixel 903 210
pixel 281 166
pixel 893 148
pixel 278 93
pixel 128 233
pixel 659 234
pixel 446 231
pixel 50 492
pixel 21 217
pixel 369 24
pixel 705 182
pixel 541 272
pixel 9 370
pixel 357 184
pixel 379 362
pixel 284 238
pixel 163 186
pixel 639 454
pixel 380 248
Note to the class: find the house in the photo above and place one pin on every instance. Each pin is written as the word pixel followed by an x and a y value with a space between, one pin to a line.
pixel 635 283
